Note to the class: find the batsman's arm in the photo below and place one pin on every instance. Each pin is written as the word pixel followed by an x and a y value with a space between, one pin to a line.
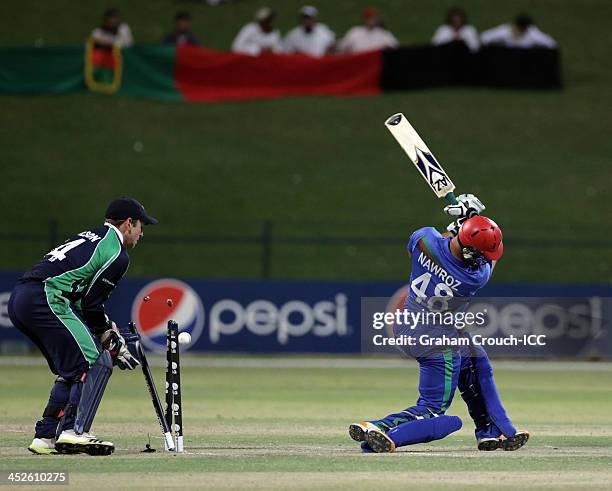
pixel 414 239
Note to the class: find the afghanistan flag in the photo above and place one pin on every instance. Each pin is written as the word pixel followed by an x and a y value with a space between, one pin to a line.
pixel 186 73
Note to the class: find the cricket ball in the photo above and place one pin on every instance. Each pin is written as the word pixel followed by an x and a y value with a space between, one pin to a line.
pixel 184 338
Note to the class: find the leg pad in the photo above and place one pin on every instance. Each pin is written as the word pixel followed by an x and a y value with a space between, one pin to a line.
pixel 92 392
pixel 470 392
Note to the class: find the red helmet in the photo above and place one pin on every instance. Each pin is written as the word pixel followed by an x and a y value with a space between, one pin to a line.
pixel 484 235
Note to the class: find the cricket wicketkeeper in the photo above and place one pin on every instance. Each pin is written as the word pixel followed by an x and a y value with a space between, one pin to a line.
pixel 445 268
pixel 59 305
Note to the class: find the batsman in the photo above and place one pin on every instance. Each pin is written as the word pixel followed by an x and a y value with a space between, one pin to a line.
pixel 464 256
pixel 59 305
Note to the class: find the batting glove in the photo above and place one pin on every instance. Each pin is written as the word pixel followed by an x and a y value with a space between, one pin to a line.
pixel 468 206
pixel 455 225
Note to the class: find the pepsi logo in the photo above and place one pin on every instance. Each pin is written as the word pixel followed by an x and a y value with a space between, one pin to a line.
pixel 167 299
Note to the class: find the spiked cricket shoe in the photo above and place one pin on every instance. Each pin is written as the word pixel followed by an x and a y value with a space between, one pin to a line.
pixel 358 431
pixel 43 446
pixel 70 443
pixel 489 444
pixel 515 442
pixel 509 444
pixel 379 441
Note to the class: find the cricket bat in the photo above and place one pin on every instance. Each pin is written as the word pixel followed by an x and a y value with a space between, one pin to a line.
pixel 421 157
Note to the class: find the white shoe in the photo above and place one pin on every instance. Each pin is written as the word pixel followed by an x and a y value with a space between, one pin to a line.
pixel 43 446
pixel 69 443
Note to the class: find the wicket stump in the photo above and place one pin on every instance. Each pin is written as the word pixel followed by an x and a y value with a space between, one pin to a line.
pixel 174 409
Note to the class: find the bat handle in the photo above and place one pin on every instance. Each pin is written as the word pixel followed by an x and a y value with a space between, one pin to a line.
pixel 451 198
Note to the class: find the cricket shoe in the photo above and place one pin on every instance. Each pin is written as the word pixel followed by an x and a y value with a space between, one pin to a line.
pixel 489 444
pixel 358 431
pixel 70 443
pixel 43 446
pixel 514 442
pixel 379 441
pixel 509 444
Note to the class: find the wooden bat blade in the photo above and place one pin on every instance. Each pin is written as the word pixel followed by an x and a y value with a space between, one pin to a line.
pixel 420 155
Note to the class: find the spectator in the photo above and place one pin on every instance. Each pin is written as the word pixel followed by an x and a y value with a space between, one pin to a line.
pixel 522 33
pixel 456 28
pixel 112 32
pixel 259 37
pixel 182 31
pixel 311 37
pixel 370 36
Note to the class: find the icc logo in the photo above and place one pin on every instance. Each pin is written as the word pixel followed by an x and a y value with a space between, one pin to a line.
pixel 152 316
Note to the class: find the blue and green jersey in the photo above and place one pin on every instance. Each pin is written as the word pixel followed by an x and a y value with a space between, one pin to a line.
pixel 437 274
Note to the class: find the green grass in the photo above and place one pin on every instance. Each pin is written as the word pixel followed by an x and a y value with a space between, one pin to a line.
pixel 316 166
pixel 279 427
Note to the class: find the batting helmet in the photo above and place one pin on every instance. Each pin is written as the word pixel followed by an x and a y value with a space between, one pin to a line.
pixel 482 234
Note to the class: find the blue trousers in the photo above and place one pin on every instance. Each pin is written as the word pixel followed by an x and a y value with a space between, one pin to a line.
pixel 438 378
pixel 441 371
pixel 62 336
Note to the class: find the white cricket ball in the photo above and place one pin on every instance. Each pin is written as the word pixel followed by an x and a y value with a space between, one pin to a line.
pixel 184 338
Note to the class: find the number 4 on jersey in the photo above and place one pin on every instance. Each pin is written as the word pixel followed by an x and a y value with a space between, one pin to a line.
pixel 59 253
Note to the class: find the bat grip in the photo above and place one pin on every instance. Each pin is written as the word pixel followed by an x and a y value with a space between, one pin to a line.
pixel 451 198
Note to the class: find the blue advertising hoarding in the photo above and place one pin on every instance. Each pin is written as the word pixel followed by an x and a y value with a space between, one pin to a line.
pixel 268 316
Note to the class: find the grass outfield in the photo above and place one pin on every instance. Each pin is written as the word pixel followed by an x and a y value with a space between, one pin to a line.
pixel 280 423
pixel 316 167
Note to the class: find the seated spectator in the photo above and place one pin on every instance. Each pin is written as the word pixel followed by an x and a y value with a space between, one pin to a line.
pixel 259 37
pixel 370 36
pixel 311 37
pixel 456 28
pixel 182 31
pixel 112 32
pixel 522 33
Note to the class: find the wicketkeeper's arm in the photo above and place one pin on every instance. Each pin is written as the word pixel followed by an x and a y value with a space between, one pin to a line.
pixel 92 303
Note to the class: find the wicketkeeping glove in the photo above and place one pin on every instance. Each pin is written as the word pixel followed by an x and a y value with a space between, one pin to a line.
pixel 123 352
pixel 127 358
pixel 468 206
